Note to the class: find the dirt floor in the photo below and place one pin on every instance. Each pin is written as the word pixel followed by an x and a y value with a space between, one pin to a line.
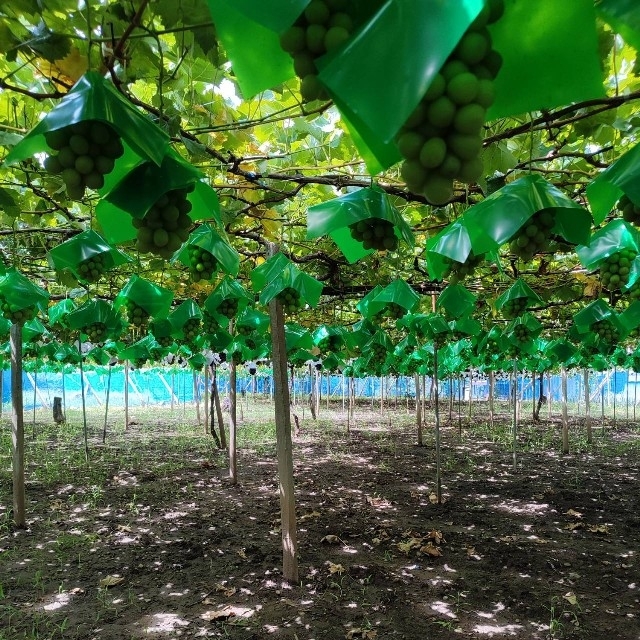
pixel 150 539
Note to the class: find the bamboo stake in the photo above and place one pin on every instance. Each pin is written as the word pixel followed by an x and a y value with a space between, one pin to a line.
pixel 206 398
pixel 565 419
pixel 17 428
pixel 515 415
pixel 418 409
pixel 587 406
pixel 106 407
pixel 84 408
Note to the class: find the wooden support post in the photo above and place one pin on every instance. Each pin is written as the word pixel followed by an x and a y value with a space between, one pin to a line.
pixel 515 415
pixel 85 428
pixel 106 407
pixel 418 408
pixel 437 424
pixel 126 394
pixel 565 419
pixel 587 406
pixel 492 386
pixel 17 427
pixel 233 462
pixel 283 441
pixel 216 401
pixel 196 399
pixel 206 398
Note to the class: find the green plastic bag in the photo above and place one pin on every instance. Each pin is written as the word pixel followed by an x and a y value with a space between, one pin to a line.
pixel 624 18
pixel 96 320
pixel 134 195
pixel 297 337
pixel 334 217
pixel 517 298
pixel 393 301
pixel 155 300
pixel 277 274
pixel 219 340
pixel 232 295
pixel 498 217
pixel 23 297
pixel 456 301
pixel 33 329
pixel 596 311
pixel 210 240
pixel 550 56
pixel 561 352
pixel 609 240
pixel 162 329
pixel 418 36
pixel 329 338
pixel 252 44
pixel 620 178
pixel 630 317
pixel 139 352
pixel 88 245
pixel 186 320
pixel 251 320
pixel 465 327
pixel 95 98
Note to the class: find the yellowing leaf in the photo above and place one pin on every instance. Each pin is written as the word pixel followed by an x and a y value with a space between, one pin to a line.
pixel 574 525
pixel 335 568
pixel 570 597
pixel 598 528
pixel 574 513
pixel 271 224
pixel 111 580
pixel 433 498
pixel 436 536
pixel 408 545
pixel 242 554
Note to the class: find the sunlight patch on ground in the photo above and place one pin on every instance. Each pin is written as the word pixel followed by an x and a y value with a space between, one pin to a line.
pixel 494 629
pixel 56 601
pixel 160 623
pixel 515 506
pixel 443 608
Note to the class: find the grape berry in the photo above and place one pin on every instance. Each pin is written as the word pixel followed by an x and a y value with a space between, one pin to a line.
pixel 84 153
pixel 514 307
pixel 166 225
pixel 606 331
pixel 138 316
pixel 17 314
pixel 91 269
pixel 630 211
pixel 228 308
pixel 456 271
pixel 191 328
pixel 96 332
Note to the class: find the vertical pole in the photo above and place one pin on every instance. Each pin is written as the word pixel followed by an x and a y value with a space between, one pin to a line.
pixel 196 399
pixel 470 391
pixel 106 407
pixel 418 408
pixel 587 406
pixel 381 395
pixel 64 395
pixel 550 398
pixel 437 422
pixel 460 393
pixel 216 402
pixel 328 388
pixel 206 398
pixel 602 406
pixel 565 419
pixel 343 393
pixel 515 415
pixel 492 380
pixel 126 394
pixel 615 371
pixel 17 427
pixel 84 407
pixel 35 391
pixel 283 440
pixel 173 387
pixel 233 467
pixel 1 389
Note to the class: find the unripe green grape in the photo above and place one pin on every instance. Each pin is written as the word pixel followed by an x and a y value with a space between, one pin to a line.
pixel 514 307
pixel 375 233
pixel 137 315
pixel 228 308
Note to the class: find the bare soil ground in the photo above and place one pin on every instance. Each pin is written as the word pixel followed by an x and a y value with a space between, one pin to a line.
pixel 150 540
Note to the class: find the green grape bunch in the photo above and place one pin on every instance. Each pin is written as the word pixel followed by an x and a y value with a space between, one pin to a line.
pixel 209 323
pixel 606 331
pixel 290 299
pixel 323 26
pixel 393 310
pixel 237 357
pixel 228 308
pixel 96 332
pixel 514 307
pixel 17 314
pixel 92 268
pixel 378 352
pixel 191 328
pixel 441 141
pixel 522 334
pixel 243 329
pixel 456 271
pixel 82 154
pixel 534 236
pixel 138 316
pixel 164 341
pixel 375 233
pixel 329 343
pixel 630 211
pixel 202 263
pixel 166 225
pixel 616 269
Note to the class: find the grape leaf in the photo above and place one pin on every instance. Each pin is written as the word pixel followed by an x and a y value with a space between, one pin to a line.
pixel 8 203
pixel 51 46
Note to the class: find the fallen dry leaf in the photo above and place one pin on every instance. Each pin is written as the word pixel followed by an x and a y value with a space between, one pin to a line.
pixel 242 554
pixel 431 550
pixel 331 539
pixel 335 568
pixel 221 614
pixel 377 501
pixel 570 597
pixel 111 581
pixel 227 591
pixel 574 525
pixel 433 498
pixel 507 539
pixel 472 554
pixel 436 536
pixel 309 516
pixel 574 513
pixel 408 545
pixel 365 634
pixel 599 528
